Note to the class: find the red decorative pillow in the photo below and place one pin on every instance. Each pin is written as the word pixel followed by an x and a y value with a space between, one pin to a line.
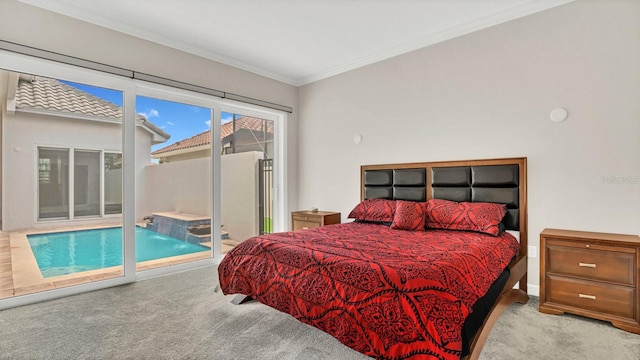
pixel 474 216
pixel 376 210
pixel 410 215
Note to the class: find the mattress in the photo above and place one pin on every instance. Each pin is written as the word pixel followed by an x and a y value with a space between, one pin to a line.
pixel 389 294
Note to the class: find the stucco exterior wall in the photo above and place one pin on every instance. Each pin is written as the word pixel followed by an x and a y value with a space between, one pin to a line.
pixel 240 194
pixel 25 132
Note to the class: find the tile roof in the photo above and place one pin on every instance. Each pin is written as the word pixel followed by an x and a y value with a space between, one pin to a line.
pixel 245 122
pixel 51 94
pixel 204 138
pixel 38 92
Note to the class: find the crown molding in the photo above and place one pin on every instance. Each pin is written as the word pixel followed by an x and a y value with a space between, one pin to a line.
pixel 513 13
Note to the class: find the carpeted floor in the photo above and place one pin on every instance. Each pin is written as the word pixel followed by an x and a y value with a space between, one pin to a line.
pixel 180 316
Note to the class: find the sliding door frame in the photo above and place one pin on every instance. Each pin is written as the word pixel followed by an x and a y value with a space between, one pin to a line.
pixel 26 64
pixel 130 89
pixel 211 102
pixel 280 207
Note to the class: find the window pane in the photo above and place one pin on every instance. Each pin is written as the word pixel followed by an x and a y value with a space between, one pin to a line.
pixel 53 183
pixel 176 185
pixel 246 177
pixel 112 183
pixel 241 133
pixel 86 181
pixel 57 134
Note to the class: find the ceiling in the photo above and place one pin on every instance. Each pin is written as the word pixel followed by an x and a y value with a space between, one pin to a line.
pixel 296 41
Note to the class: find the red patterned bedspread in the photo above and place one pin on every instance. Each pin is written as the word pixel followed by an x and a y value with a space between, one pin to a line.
pixel 390 294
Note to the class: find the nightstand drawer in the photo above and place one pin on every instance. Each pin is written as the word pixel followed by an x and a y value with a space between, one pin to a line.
pixel 589 263
pixel 316 219
pixel 603 298
pixel 301 224
pixel 312 219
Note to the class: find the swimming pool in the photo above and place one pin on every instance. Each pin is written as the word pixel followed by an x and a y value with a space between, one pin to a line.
pixel 75 251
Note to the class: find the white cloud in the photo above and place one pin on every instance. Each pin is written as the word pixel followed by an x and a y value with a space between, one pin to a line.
pixel 170 123
pixel 208 122
pixel 150 113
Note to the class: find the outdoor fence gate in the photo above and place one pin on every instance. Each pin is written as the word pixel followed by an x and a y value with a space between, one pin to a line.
pixel 265 202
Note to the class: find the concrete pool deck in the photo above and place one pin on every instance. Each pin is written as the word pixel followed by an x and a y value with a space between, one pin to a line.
pixel 20 274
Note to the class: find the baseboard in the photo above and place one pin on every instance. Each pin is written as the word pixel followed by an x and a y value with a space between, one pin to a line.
pixel 533 290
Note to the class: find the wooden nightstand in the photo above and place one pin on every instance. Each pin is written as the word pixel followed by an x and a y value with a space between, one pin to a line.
pixel 591 274
pixel 310 220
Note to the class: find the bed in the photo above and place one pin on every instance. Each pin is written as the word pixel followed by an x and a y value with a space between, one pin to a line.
pixel 417 287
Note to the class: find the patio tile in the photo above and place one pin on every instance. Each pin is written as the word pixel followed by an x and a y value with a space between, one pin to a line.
pixel 6 284
pixel 33 288
pixel 5 271
pixel 107 275
pixel 69 282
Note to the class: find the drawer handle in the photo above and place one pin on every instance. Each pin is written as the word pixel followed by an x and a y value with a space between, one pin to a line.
pixel 589 265
pixel 584 296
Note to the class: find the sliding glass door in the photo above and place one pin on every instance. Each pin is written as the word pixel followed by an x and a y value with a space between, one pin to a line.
pixel 94 164
pixel 174 185
pixel 247 147
pixel 63 147
pixel 252 144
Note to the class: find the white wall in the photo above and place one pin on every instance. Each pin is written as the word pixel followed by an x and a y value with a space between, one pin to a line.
pixel 488 95
pixel 31 26
pixel 113 181
pixel 182 186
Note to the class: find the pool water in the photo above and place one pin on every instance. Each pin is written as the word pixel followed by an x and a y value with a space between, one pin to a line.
pixel 75 251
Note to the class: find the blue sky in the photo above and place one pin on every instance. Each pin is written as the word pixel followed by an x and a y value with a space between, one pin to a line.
pixel 179 120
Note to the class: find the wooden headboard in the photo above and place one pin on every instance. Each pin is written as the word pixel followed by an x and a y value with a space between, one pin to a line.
pixel 494 180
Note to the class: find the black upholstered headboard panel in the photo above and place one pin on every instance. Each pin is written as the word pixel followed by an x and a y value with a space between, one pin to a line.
pixel 501 181
pixel 396 184
pixel 490 183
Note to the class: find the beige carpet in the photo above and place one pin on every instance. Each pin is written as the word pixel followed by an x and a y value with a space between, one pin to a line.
pixel 181 317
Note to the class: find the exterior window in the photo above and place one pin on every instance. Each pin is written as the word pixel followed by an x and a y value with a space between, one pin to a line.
pixel 89 183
